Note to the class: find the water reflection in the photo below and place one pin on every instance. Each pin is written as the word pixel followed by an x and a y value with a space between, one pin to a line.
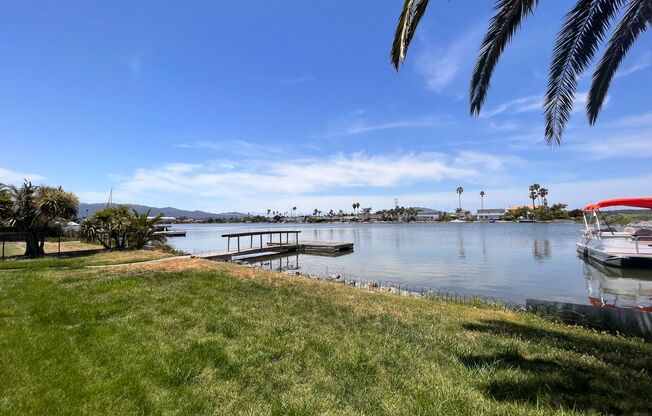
pixel 541 249
pixel 460 238
pixel 279 263
pixel 618 287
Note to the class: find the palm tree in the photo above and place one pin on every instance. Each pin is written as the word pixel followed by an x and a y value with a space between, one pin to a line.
pixel 143 229
pixel 543 193
pixel 268 212
pixel 533 197
pixel 482 194
pixel 582 34
pixel 459 191
pixel 32 209
pixel 534 190
pixel 294 210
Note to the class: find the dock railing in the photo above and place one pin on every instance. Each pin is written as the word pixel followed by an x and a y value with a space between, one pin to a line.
pixel 259 236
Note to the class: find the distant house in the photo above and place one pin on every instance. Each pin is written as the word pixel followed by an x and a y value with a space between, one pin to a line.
pixel 366 214
pixel 490 214
pixel 428 215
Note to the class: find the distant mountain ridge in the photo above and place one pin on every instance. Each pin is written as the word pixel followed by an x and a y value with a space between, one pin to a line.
pixel 85 210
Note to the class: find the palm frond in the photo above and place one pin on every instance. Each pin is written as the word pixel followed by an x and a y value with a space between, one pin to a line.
pixel 578 40
pixel 507 19
pixel 637 18
pixel 413 11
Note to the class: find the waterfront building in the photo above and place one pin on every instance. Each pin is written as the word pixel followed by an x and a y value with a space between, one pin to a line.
pixel 490 214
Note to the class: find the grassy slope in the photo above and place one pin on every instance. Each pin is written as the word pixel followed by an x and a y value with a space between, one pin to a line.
pixel 190 336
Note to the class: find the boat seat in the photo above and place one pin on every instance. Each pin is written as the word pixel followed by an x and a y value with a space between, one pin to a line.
pixel 643 234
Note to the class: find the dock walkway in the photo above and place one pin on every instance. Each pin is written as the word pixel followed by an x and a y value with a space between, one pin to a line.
pixel 269 243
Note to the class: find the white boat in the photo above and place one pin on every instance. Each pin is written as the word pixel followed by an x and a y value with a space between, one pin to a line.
pixel 601 242
pixel 458 220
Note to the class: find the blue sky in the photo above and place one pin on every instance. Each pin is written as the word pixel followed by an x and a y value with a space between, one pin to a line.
pixel 227 106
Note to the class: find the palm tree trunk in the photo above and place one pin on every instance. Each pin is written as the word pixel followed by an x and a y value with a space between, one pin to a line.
pixel 32 246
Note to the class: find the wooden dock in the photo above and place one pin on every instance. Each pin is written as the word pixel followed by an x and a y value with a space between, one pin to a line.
pixel 272 243
pixel 325 247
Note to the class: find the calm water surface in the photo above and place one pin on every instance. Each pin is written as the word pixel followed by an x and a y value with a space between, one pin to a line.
pixel 506 260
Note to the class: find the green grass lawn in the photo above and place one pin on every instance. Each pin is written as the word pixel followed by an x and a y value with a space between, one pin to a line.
pixel 195 337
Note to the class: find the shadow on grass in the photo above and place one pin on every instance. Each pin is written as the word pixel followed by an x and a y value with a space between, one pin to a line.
pixel 607 376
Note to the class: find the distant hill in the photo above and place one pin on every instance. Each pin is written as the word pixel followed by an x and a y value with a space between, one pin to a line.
pixel 85 210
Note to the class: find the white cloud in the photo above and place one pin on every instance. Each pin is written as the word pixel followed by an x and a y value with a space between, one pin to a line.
pixel 12 177
pixel 496 197
pixel 439 67
pixel 623 145
pixel 640 64
pixel 135 63
pixel 532 103
pixel 507 125
pixel 297 80
pixel 438 71
pixel 360 126
pixel 502 197
pixel 253 182
pixel 492 162
pixel 519 105
pixel 638 120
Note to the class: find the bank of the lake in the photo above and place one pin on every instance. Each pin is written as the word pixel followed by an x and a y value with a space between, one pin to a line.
pixel 187 336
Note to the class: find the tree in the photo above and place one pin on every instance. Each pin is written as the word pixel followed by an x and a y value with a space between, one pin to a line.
pixel 582 34
pixel 534 193
pixel 355 206
pixel 269 211
pixel 459 191
pixel 121 226
pixel 294 210
pixel 543 193
pixel 482 194
pixel 32 210
pixel 6 205
pixel 143 229
pixel 533 197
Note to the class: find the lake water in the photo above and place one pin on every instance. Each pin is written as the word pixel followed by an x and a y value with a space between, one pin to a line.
pixel 511 261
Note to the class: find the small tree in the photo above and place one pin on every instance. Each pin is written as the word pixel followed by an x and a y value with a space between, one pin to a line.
pixel 143 229
pixel 32 210
pixel 118 226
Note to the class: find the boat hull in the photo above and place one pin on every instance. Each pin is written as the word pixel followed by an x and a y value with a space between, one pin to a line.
pixel 616 252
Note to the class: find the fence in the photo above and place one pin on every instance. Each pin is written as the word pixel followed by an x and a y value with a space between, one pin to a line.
pixel 337 273
pixel 8 238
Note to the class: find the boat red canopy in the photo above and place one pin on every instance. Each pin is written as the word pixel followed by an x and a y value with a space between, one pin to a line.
pixel 645 202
